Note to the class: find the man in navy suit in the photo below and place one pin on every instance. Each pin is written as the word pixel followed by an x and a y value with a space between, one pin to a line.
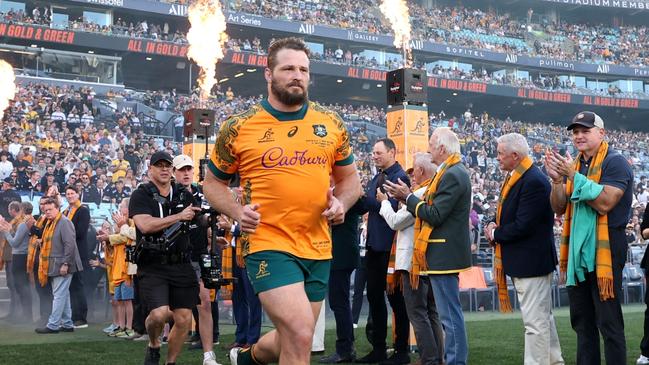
pixel 528 253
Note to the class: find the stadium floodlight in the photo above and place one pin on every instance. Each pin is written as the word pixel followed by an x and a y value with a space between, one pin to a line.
pixel 239 74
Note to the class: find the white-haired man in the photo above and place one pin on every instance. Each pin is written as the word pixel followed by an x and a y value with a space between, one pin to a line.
pixel 524 241
pixel 442 244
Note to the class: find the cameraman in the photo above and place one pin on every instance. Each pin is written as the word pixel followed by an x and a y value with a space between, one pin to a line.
pixel 184 174
pixel 167 282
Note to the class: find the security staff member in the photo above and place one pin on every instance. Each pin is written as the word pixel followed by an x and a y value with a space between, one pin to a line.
pixel 167 282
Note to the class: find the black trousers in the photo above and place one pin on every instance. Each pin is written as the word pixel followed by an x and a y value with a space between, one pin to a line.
pixel 377 267
pixel 360 279
pixel 139 309
pixel 21 282
pixel 78 300
pixel 339 285
pixel 589 316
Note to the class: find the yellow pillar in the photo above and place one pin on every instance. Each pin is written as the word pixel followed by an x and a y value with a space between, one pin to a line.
pixel 194 147
pixel 407 126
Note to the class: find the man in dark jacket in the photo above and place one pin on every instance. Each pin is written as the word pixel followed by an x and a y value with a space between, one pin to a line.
pixel 346 258
pixel 444 212
pixel 8 195
pixel 379 243
pixel 524 231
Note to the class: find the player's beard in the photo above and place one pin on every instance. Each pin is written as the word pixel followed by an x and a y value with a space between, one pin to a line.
pixel 286 97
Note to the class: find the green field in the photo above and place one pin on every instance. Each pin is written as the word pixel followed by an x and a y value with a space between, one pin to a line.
pixel 493 339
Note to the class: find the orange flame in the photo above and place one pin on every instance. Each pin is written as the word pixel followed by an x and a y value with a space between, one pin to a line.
pixel 7 85
pixel 207 23
pixel 396 12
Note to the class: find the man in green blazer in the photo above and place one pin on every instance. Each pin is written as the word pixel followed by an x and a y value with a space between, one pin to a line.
pixel 444 212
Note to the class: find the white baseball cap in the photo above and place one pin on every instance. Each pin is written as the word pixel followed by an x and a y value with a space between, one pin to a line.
pixel 181 161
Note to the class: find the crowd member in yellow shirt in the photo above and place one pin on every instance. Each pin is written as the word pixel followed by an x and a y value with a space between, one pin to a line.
pixel 286 151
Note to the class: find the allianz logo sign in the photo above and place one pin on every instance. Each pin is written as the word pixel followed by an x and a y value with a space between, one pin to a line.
pixel 417 44
pixel 306 28
pixel 178 10
pixel 603 69
pixel 511 58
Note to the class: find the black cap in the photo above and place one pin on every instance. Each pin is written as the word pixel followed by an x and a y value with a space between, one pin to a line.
pixel 161 156
pixel 9 180
pixel 586 119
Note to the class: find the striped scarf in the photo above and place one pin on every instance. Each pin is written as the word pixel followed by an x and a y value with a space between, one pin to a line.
pixel 226 268
pixel 46 248
pixel 603 260
pixel 393 278
pixel 501 281
pixel 423 229
pixel 72 209
pixel 33 245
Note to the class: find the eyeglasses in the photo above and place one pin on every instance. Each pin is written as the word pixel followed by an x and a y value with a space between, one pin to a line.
pixel 163 166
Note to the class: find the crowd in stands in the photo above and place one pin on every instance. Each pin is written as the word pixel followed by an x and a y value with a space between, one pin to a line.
pixel 120 27
pixel 472 27
pixel 447 26
pixel 346 57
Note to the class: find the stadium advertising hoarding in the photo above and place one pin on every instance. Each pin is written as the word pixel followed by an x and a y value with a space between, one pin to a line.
pixel 37 34
pixel 145 46
pixel 420 45
pixel 622 4
pixel 250 59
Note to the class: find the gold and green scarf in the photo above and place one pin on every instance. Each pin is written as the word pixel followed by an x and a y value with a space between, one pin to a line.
pixel 72 209
pixel 603 260
pixel 499 273
pixel 46 249
pixel 33 245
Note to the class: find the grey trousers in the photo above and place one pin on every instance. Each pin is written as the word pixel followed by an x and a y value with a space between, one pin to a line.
pixel 420 305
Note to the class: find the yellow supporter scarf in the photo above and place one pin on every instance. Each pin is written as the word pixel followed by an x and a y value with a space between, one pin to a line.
pixel 603 260
pixel 46 248
pixel 393 278
pixel 423 229
pixel 501 281
pixel 33 245
pixel 72 209
pixel 226 267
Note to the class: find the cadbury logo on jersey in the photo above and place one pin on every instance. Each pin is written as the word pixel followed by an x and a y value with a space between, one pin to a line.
pixel 275 157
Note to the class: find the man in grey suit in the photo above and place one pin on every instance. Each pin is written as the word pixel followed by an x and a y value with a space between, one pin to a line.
pixel 444 212
pixel 63 261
